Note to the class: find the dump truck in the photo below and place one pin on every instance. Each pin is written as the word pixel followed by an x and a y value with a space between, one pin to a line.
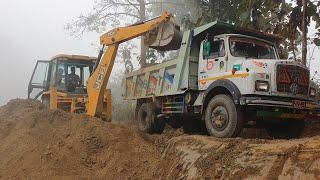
pixel 77 84
pixel 228 77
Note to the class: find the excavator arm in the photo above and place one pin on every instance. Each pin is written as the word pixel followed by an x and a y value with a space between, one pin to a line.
pixel 155 29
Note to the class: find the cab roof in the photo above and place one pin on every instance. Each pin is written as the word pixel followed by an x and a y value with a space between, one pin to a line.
pixel 66 57
pixel 220 27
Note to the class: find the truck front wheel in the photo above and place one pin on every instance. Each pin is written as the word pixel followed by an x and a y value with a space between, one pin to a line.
pixel 284 129
pixel 147 119
pixel 222 117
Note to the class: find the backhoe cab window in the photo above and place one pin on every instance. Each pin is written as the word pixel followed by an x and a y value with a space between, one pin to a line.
pixel 39 80
pixel 213 49
pixel 72 77
pixel 61 77
pixel 251 48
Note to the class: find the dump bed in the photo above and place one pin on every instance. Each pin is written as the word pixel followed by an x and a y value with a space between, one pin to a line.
pixel 168 78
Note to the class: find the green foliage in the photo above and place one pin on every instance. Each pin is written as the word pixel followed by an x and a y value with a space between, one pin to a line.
pixel 274 16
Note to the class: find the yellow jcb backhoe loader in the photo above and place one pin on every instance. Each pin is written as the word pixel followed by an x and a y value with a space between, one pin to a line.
pixel 78 83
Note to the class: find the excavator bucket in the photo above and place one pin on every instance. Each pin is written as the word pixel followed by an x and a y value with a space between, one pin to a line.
pixel 166 37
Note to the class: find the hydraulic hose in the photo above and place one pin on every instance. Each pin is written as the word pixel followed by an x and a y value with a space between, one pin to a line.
pixel 99 58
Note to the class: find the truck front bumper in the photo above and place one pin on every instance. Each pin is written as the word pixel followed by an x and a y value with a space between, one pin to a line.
pixel 284 103
pixel 284 108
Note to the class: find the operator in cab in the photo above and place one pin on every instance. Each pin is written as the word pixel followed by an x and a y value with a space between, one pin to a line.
pixel 73 80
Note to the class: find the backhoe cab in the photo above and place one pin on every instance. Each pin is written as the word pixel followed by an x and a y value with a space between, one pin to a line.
pixel 58 82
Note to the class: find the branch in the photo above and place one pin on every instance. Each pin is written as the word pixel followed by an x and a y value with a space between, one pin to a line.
pixel 166 2
pixel 121 13
pixel 124 4
pixel 149 3
pixel 135 6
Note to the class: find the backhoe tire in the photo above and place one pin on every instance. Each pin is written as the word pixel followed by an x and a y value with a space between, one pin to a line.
pixel 148 121
pixel 284 129
pixel 223 119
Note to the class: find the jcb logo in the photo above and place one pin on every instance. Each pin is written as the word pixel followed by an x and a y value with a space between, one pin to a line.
pixel 100 78
pixel 111 33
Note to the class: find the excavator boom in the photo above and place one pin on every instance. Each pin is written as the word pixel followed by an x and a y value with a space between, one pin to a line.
pixel 159 34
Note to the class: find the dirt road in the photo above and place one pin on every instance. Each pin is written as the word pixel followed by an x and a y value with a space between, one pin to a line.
pixel 37 143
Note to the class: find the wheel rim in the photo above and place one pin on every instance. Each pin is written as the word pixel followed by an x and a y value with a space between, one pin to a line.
pixel 219 118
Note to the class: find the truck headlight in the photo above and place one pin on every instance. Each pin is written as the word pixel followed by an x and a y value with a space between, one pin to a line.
pixel 313 92
pixel 262 86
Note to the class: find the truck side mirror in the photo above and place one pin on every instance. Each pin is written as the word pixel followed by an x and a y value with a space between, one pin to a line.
pixel 206 48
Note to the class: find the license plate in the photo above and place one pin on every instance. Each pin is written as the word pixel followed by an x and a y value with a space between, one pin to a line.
pixel 299 104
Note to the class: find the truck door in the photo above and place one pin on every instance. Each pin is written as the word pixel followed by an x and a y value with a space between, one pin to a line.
pixel 39 81
pixel 212 62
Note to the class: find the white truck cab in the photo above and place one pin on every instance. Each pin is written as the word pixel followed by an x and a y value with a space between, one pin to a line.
pixel 253 65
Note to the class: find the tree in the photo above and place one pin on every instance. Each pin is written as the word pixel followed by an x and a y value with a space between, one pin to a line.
pixel 264 15
pixel 304 32
pixel 274 16
pixel 106 13
pixel 301 15
pixel 114 13
pixel 186 12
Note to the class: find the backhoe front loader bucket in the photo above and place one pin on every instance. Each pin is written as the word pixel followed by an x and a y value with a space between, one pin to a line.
pixel 166 37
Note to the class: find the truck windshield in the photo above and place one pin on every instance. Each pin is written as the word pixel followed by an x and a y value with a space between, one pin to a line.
pixel 251 48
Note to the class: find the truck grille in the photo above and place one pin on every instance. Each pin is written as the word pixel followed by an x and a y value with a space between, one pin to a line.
pixel 292 79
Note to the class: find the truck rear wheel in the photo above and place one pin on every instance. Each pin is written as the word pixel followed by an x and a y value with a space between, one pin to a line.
pixel 222 118
pixel 147 119
pixel 284 129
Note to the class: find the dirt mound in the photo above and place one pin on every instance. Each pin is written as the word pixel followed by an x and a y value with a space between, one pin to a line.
pixel 201 157
pixel 37 143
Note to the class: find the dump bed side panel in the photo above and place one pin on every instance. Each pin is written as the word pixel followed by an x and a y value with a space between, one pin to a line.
pixel 167 78
pixel 151 81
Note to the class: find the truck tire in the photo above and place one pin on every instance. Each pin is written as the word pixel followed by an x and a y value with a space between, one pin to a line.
pixel 284 129
pixel 223 118
pixel 147 119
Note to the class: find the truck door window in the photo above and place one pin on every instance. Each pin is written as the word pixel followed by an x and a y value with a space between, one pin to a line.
pixel 217 50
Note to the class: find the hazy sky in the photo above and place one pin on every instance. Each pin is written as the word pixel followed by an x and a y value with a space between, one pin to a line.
pixel 32 30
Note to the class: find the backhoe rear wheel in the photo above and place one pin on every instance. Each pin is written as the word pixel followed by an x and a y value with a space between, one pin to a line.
pixel 147 119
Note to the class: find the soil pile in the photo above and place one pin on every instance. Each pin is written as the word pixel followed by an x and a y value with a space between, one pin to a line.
pixel 37 143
